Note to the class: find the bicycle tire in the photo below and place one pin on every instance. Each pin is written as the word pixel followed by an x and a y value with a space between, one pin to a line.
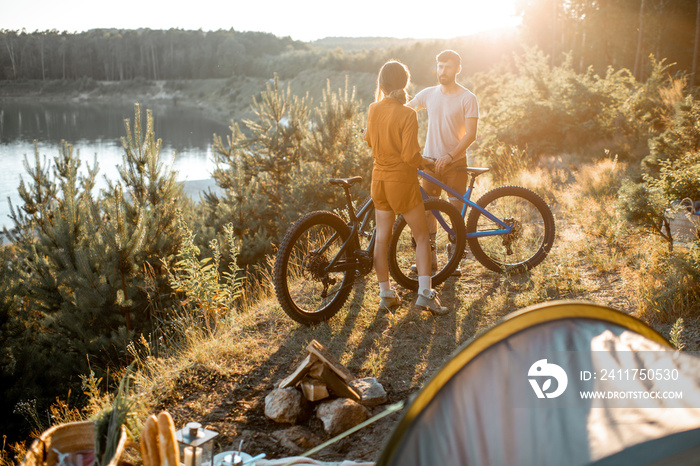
pixel 299 270
pixel 402 249
pixel 533 236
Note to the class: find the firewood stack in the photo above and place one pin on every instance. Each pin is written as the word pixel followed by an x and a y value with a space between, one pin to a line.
pixel 319 372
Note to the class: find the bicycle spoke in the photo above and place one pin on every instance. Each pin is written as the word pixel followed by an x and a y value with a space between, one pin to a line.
pixel 448 241
pixel 532 230
pixel 310 282
pixel 310 286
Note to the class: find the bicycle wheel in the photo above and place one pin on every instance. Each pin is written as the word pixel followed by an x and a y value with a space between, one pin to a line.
pixel 450 240
pixel 529 242
pixel 305 288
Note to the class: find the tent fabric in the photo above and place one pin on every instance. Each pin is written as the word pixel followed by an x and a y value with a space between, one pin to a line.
pixel 480 408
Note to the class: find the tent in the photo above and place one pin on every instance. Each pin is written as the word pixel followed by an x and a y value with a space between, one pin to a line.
pixel 560 383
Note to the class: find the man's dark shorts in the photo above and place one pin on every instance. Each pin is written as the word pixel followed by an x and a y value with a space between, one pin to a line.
pixel 456 180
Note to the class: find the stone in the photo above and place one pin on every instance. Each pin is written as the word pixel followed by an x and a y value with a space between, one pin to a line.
pixel 297 439
pixel 371 392
pixel 340 415
pixel 284 405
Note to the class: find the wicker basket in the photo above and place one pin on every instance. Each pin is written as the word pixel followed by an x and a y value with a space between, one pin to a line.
pixel 67 438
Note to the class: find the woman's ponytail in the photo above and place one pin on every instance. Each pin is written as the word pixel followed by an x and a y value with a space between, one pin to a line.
pixel 399 94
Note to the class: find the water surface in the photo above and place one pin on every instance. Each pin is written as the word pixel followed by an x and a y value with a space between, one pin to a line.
pixel 95 130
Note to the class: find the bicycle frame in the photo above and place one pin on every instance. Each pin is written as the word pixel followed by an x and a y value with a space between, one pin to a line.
pixel 467 202
pixel 356 226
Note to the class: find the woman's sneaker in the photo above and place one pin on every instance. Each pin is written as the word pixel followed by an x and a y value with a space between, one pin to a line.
pixel 428 301
pixel 389 301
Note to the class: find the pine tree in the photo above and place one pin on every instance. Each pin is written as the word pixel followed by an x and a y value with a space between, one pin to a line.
pixel 279 168
pixel 153 195
pixel 80 259
pixel 256 170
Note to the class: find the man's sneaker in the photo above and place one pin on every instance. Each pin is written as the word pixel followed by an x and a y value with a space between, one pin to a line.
pixel 433 268
pixel 430 302
pixel 433 258
pixel 389 301
pixel 450 251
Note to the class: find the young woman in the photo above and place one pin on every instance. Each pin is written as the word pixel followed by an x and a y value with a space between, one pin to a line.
pixel 392 133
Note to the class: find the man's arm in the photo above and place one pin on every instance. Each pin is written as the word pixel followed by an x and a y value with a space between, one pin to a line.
pixel 471 126
pixel 416 103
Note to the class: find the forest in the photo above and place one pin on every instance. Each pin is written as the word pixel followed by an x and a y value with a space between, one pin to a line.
pixel 616 33
pixel 90 282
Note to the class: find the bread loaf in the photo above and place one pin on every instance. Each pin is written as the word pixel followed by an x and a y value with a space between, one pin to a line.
pixel 150 451
pixel 169 453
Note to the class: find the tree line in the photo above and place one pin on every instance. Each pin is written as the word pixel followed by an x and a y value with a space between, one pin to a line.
pixel 122 55
pixel 592 33
pixel 616 33
pixel 117 55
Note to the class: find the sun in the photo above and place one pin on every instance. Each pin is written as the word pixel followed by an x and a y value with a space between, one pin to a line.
pixel 466 18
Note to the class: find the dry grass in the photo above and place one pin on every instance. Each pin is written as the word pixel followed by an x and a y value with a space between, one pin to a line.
pixel 223 375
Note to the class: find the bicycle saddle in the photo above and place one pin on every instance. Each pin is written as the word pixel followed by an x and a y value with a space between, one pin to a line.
pixel 345 182
pixel 473 170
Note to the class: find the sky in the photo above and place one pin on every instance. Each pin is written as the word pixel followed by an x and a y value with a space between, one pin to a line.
pixel 304 20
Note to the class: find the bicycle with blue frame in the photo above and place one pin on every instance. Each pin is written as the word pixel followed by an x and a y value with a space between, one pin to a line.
pixel 510 229
pixel 322 255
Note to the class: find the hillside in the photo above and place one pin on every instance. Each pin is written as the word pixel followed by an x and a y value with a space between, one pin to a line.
pixel 222 379
pixel 223 99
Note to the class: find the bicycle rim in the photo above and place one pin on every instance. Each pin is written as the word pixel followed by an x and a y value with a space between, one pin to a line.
pixel 533 230
pixel 306 289
pixel 448 247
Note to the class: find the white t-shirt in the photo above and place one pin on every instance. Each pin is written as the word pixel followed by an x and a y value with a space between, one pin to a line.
pixel 447 115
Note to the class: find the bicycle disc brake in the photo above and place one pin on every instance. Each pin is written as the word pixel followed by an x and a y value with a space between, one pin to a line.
pixel 314 267
pixel 515 234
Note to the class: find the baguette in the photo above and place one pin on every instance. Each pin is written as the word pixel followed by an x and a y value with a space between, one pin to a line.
pixel 150 450
pixel 169 452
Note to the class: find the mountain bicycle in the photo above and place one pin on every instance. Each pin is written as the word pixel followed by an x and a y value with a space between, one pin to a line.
pixel 322 255
pixel 510 229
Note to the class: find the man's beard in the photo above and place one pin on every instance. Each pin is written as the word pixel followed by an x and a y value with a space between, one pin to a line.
pixel 443 79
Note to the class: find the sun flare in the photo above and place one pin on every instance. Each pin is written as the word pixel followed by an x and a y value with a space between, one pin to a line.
pixel 305 20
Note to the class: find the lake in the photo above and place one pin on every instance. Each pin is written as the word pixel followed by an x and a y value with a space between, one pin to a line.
pixel 95 129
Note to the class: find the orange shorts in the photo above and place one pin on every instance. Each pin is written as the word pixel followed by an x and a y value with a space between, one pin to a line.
pixel 398 196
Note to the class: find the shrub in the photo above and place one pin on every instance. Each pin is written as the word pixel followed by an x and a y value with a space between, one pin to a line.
pixel 198 281
pixel 78 262
pixel 279 168
pixel 552 110
pixel 639 205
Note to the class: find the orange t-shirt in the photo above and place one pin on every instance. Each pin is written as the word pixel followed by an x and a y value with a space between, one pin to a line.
pixel 392 133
